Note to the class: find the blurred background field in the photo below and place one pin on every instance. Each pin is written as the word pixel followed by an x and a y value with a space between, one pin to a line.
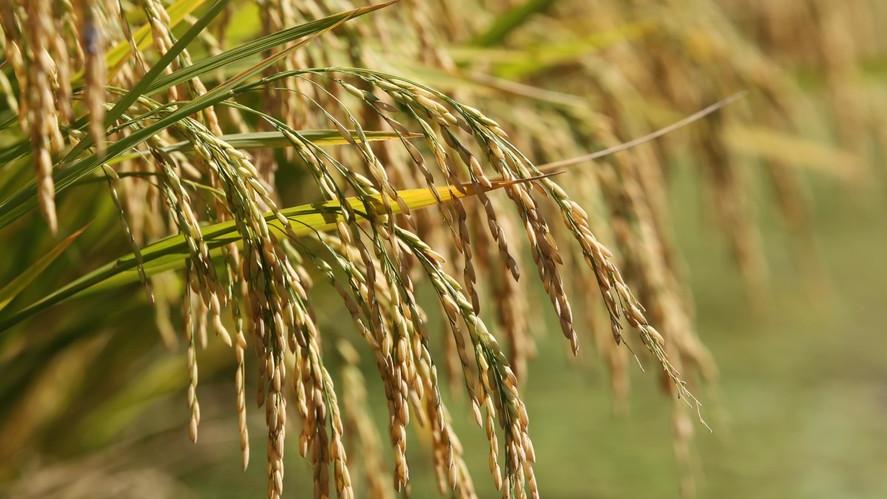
pixel 95 405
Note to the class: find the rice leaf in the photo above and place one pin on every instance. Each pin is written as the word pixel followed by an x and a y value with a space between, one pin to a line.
pixel 258 46
pixel 17 285
pixel 171 253
pixel 274 139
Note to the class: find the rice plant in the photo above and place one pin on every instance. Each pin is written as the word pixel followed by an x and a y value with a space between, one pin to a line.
pixel 219 169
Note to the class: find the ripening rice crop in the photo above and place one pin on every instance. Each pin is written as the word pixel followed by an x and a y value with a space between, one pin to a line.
pixel 234 164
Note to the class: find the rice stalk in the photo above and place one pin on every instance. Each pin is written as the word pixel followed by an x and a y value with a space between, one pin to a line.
pixel 204 139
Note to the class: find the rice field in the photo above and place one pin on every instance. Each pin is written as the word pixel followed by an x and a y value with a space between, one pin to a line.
pixel 474 249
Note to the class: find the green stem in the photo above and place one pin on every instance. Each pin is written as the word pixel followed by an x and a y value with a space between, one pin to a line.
pixel 511 20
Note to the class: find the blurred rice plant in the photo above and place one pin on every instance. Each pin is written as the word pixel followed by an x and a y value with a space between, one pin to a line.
pixel 259 171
